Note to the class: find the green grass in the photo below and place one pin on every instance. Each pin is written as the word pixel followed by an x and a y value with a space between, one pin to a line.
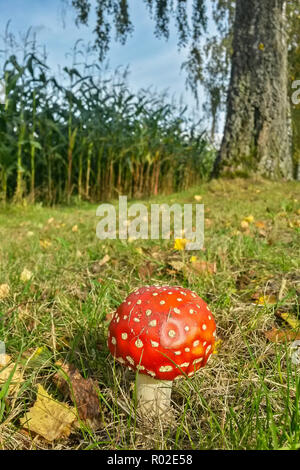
pixel 247 397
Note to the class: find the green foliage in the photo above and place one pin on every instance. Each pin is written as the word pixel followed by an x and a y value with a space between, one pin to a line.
pixel 88 136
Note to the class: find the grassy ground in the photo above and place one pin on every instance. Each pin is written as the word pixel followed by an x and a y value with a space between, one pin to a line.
pixel 247 397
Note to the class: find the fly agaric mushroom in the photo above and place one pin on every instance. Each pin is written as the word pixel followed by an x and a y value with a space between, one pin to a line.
pixel 162 333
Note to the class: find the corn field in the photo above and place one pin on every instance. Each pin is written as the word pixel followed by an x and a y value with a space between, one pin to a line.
pixel 83 136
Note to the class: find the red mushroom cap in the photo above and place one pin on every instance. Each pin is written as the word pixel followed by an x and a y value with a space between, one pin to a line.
pixel 163 332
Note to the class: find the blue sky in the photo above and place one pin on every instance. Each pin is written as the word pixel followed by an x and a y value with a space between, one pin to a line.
pixel 152 61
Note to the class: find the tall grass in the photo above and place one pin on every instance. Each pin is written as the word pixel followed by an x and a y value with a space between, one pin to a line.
pixel 83 135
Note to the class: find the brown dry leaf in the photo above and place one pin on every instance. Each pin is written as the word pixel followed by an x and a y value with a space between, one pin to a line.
pixel 281 336
pixel 83 393
pixel 6 368
pixel 260 224
pixel 146 271
pixel 204 267
pixel 104 260
pixel 177 265
pixel 4 291
pixel 48 417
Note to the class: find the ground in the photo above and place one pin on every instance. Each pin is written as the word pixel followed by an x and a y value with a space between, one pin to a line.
pixel 60 300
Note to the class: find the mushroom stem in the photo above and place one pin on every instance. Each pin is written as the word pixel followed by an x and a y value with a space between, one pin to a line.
pixel 153 396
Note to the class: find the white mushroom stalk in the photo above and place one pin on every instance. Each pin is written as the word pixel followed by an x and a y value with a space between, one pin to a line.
pixel 153 396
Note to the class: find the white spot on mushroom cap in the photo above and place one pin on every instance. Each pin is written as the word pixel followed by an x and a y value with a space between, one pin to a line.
pixel 155 293
pixel 176 310
pixel 204 327
pixel 187 349
pixel 125 317
pixel 140 367
pixel 162 302
pixel 150 372
pixel 191 310
pixel 121 360
pixel 209 317
pixel 148 312
pixel 196 343
pixel 139 343
pixel 124 336
pixel 177 353
pixel 199 359
pixel 185 364
pixel 179 299
pixel 155 344
pixel 215 333
pixel 172 333
pixel 113 340
pixel 152 323
pixel 165 368
pixel 187 328
pixel 137 320
pixel 139 302
pixel 208 349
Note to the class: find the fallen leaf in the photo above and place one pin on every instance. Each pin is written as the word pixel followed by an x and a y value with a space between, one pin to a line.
pixel 45 244
pixel 104 260
pixel 249 219
pixel 260 224
pixel 48 417
pixel 146 271
pixel 83 393
pixel 177 265
pixel 51 220
pixel 198 198
pixel 266 299
pixel 4 291
pixel 204 267
pixel 26 275
pixel 6 368
pixel 281 336
pixel 180 244
pixel 289 318
pixel 75 228
pixel 244 224
pixel 217 346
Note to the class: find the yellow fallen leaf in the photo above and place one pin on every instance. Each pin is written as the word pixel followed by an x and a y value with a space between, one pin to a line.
pixel 48 417
pixel 290 319
pixel 193 259
pixel 217 346
pixel 249 219
pixel 45 244
pixel 30 234
pixel 26 275
pixel 6 368
pixel 51 220
pixel 266 300
pixel 4 291
pixel 198 198
pixel 75 228
pixel 261 46
pixel 180 243
pixel 244 224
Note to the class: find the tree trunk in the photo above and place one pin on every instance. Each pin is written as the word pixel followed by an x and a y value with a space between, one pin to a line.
pixel 257 130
